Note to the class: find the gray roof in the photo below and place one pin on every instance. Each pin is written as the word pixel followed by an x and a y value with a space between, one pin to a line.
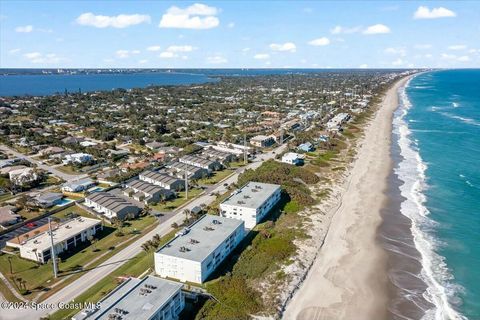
pixel 130 296
pixel 208 234
pixel 160 177
pixel 110 201
pixel 197 160
pixel 49 197
pixel 183 166
pixel 216 153
pixel 144 187
pixel 82 182
pixel 251 195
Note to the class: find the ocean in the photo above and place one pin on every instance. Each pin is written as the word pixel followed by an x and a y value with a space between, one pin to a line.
pixel 431 225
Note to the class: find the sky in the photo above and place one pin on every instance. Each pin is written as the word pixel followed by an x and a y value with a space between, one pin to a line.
pixel 239 34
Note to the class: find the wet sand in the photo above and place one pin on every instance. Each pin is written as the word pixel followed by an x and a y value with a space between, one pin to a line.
pixel 404 266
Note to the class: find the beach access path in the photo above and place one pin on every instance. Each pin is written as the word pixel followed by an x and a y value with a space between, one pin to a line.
pixel 348 279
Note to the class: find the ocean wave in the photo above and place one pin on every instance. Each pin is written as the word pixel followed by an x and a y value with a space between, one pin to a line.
pixel 411 170
pixel 455 104
pixel 462 119
pixel 468 182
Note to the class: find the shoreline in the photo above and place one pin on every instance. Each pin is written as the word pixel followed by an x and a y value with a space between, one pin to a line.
pixel 348 278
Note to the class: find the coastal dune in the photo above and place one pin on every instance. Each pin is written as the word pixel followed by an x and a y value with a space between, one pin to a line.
pixel 348 279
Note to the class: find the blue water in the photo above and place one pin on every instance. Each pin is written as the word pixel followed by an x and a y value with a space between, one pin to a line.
pixel 64 202
pixel 441 150
pixel 11 85
pixel 41 84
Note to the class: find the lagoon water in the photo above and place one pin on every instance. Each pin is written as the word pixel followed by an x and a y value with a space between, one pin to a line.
pixel 437 136
pixel 11 85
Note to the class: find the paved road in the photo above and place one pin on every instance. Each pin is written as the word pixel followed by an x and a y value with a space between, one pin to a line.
pixel 93 276
pixel 52 170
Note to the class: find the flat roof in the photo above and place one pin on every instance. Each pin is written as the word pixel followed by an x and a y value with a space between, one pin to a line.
pixel 252 195
pixel 208 234
pixel 133 297
pixel 61 232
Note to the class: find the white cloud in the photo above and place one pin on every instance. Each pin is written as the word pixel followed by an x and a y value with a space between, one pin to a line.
pixel 340 29
pixel 135 51
pixel 287 46
pixel 377 29
pixel 24 29
pixel 422 46
pixel 184 48
pixel 396 51
pixel 153 48
pixel 363 66
pixel 452 57
pixel 231 25
pixel 440 12
pixel 261 56
pixel 120 21
pixel 245 49
pixel 37 57
pixel 457 47
pixel 217 60
pixel 398 62
pixel 143 61
pixel 196 16
pixel 167 54
pixel 122 54
pixel 172 51
pixel 323 41
pixel 13 51
pixel 32 55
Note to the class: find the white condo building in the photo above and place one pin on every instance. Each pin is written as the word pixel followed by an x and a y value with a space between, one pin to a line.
pixel 66 236
pixel 150 298
pixel 196 251
pixel 251 203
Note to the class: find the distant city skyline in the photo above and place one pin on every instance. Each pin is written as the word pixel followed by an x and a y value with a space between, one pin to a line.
pixel 239 34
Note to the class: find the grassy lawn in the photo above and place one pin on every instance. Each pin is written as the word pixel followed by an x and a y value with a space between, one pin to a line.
pixel 216 177
pixel 29 214
pixel 7 293
pixel 237 164
pixel 6 196
pixel 135 267
pixel 67 169
pixel 38 277
pixel 179 201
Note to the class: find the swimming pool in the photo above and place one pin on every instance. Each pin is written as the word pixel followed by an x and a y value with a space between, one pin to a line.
pixel 64 202
pixel 96 189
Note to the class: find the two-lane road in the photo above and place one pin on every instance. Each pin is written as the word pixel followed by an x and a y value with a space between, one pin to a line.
pixel 93 276
pixel 51 169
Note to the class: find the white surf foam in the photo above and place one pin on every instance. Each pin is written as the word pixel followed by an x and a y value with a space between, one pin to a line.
pixel 411 170
pixel 463 119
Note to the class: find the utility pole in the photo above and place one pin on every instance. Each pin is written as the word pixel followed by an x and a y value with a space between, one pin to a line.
pixel 186 184
pixel 54 259
pixel 244 148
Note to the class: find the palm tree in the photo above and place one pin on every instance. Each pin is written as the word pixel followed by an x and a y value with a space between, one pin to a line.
pixel 145 247
pixel 187 212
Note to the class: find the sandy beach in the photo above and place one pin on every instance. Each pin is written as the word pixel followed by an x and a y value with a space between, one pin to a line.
pixel 348 279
